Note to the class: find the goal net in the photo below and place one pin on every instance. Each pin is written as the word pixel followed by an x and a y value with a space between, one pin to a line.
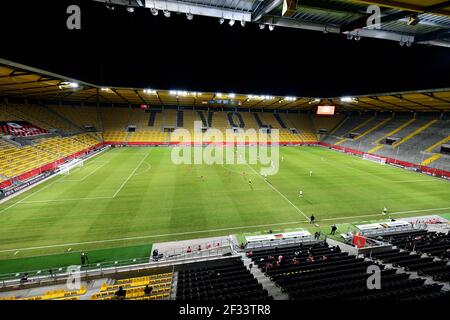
pixel 374 158
pixel 66 167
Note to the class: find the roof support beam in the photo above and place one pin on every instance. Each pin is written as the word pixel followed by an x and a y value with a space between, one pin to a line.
pixel 399 96
pixel 432 95
pixel 390 103
pixel 437 8
pixel 266 8
pixel 432 36
pixel 362 22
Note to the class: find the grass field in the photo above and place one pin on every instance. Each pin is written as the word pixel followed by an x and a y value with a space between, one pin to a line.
pixel 136 196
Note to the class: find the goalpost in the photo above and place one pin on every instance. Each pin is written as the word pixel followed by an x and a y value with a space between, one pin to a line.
pixel 372 158
pixel 66 167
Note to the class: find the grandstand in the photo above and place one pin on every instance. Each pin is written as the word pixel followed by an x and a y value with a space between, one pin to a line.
pixel 157 194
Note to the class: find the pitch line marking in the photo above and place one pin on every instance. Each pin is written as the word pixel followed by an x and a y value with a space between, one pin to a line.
pixel 203 231
pixel 270 185
pixel 132 174
pixel 20 201
pixel 90 174
pixel 62 200
pixel 409 181
pixel 152 236
pixel 372 215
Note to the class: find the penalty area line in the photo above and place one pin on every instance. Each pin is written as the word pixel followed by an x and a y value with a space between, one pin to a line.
pixel 131 174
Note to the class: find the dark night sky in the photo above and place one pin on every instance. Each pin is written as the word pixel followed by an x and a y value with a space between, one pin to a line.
pixel 116 48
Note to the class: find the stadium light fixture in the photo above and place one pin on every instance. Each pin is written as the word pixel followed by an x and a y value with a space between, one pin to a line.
pixel 166 13
pixel 130 9
pixel 357 38
pixel 348 99
pixel 232 95
pixel 221 20
pixel 271 27
pixel 242 23
pixel 105 89
pixel 109 5
pixel 149 91
pixel 231 23
pixel 66 84
pixel 189 16
pixel 290 98
pixel 219 95
pixel 154 11
pixel 262 26
pixel 349 36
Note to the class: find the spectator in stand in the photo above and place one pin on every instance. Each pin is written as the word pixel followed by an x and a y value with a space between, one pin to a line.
pixel 310 259
pixel 324 258
pixel 271 258
pixel 249 254
pixel 280 258
pixel 189 250
pixel 148 290
pixel 199 248
pixel 121 293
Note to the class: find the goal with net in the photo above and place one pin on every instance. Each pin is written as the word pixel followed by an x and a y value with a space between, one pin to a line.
pixel 373 158
pixel 66 167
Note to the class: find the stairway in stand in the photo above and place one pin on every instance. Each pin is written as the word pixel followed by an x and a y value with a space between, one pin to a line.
pixel 267 284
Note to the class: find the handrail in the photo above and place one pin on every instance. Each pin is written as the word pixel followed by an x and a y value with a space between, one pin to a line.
pixel 111 267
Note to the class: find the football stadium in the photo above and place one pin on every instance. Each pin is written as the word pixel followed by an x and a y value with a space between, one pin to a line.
pixel 145 193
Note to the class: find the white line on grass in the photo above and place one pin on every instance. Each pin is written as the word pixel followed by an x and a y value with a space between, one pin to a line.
pixel 90 174
pixel 131 174
pixel 204 231
pixel 20 201
pixel 409 181
pixel 152 236
pixel 270 185
pixel 62 200
pixel 373 215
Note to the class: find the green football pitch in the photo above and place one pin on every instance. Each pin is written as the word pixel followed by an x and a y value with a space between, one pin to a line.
pixel 133 196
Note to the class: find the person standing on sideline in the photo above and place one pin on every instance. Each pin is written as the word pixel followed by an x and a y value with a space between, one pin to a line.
pixel 83 259
pixel 333 229
pixel 312 219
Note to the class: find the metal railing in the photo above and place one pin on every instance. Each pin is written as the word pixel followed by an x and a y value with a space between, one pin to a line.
pixel 168 258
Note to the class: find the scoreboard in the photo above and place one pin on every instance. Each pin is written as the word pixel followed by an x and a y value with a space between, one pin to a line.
pixel 326 110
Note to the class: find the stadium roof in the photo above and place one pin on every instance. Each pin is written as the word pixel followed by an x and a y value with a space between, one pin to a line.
pixel 404 21
pixel 19 81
